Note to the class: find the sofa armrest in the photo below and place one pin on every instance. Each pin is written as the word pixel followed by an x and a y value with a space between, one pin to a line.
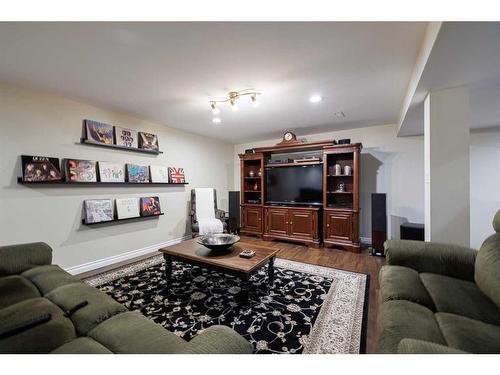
pixel 219 340
pixel 412 346
pixel 444 259
pixel 15 259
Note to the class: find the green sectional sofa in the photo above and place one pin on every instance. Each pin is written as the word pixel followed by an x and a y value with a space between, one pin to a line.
pixel 437 298
pixel 43 309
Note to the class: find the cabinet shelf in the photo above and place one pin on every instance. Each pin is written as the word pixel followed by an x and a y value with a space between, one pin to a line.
pixel 85 141
pixel 252 191
pixel 121 220
pixel 72 183
pixel 292 164
pixel 339 192
pixel 339 175
pixel 252 178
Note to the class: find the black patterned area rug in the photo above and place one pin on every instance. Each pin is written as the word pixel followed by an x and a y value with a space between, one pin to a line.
pixel 309 309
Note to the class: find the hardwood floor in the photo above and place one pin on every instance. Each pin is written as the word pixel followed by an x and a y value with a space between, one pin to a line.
pixel 341 259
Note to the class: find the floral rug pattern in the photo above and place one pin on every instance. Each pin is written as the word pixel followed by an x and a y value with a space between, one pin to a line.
pixel 309 309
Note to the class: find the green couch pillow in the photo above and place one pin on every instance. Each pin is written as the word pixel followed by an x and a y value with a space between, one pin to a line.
pixel 487 274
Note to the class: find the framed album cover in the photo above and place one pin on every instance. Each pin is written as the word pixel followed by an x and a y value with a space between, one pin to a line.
pixel 98 210
pixel 111 172
pixel 127 208
pixel 176 175
pixel 150 206
pixel 99 132
pixel 126 137
pixel 158 173
pixel 80 170
pixel 40 168
pixel 137 173
pixel 148 141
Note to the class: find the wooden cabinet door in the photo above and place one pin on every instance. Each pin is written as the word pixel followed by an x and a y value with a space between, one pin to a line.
pixel 252 219
pixel 302 223
pixel 338 225
pixel 276 221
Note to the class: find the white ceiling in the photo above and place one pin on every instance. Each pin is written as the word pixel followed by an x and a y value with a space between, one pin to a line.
pixel 166 72
pixel 464 53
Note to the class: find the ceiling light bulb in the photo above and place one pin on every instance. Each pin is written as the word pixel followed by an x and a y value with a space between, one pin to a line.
pixel 216 120
pixel 315 98
pixel 255 103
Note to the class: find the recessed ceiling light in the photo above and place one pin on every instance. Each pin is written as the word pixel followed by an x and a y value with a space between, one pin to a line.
pixel 315 98
pixel 216 120
pixel 339 114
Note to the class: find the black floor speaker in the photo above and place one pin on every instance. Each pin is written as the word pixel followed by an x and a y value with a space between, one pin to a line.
pixel 234 212
pixel 379 223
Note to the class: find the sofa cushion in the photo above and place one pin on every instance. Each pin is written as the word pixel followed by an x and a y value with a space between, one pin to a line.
pixel 403 283
pixel 460 297
pixel 132 332
pixel 49 277
pixel 99 308
pixel 468 334
pixel 22 257
pixel 487 265
pixel 403 319
pixel 20 334
pixel 82 345
pixel 15 289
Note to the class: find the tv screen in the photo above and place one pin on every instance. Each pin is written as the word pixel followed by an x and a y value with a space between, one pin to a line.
pixel 295 185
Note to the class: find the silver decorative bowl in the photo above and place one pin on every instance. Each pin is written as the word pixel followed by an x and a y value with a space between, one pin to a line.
pixel 218 241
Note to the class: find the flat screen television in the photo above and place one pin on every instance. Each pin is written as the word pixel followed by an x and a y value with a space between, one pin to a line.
pixel 302 184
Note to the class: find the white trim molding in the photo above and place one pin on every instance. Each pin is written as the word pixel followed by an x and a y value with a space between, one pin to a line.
pixel 95 264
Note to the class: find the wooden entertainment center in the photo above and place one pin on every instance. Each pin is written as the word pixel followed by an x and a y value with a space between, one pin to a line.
pixel 333 222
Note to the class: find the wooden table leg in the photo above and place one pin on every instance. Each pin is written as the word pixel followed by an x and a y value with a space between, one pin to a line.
pixel 168 266
pixel 270 272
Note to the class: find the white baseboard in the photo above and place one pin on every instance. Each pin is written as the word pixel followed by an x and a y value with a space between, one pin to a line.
pixel 95 264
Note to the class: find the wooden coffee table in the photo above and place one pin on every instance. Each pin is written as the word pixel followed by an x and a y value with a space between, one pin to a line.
pixel 230 262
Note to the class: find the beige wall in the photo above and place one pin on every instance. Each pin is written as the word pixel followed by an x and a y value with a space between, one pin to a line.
pixel 389 165
pixel 35 123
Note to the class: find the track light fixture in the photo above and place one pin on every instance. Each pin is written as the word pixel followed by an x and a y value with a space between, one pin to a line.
pixel 232 97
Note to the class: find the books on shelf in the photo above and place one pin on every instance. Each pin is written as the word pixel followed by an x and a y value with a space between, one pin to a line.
pixel 99 132
pixel 98 210
pixel 111 172
pixel 148 141
pixel 126 137
pixel 80 170
pixel 150 206
pixel 137 173
pixel 40 168
pixel 158 173
pixel 127 208
pixel 176 175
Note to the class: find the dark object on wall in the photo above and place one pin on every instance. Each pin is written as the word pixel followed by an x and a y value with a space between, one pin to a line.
pixel 249 151
pixel 40 168
pixel 150 206
pixel 234 212
pixel 412 231
pixel 345 141
pixel 148 141
pixel 99 132
pixel 379 223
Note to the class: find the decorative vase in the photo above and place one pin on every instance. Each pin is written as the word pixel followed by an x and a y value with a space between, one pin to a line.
pixel 251 174
pixel 337 169
pixel 347 170
pixel 256 186
pixel 259 173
